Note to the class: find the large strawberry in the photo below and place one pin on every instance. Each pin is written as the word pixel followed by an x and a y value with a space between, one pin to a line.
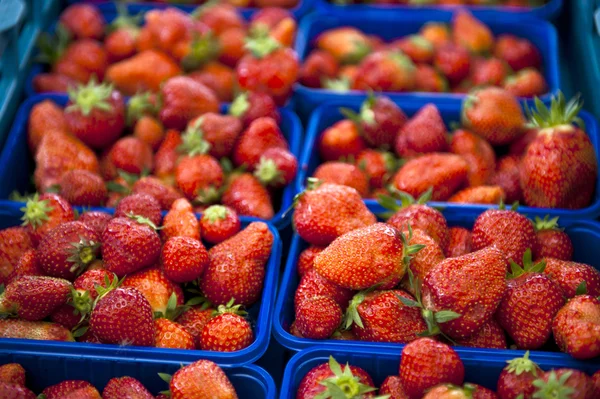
pixel 572 276
pixel 560 167
pixel 12 373
pixel 453 61
pixel 424 132
pixel 35 297
pixel 201 379
pixel 576 327
pixel 517 378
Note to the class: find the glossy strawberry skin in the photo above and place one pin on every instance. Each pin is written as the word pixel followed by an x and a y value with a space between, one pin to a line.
pixel 220 229
pixel 491 335
pixel 248 197
pixel 317 317
pixel 183 100
pixel 180 221
pixel 35 297
pixel 60 212
pixel 14 242
pixel 195 174
pixel 312 284
pixel 425 132
pixel 82 60
pixel 193 321
pixel 553 244
pixel 306 258
pixel 385 70
pixel 201 379
pixel 65 388
pixel 261 135
pixel 342 140
pixel 95 220
pixel 569 275
pixel 226 333
pixel 117 387
pixel 422 217
pixel 171 335
pixel 155 287
pixel 184 259
pixel 459 243
pixel 507 177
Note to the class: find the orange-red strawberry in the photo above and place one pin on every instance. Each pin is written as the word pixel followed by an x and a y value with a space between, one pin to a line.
pixel 469 32
pixel 121 42
pixel 43 213
pixel 477 152
pixel 172 335
pixel 393 387
pixel 517 378
pixel 459 242
pixel 248 197
pixel 518 52
pixel 318 317
pixel 219 17
pixel 343 174
pixel 14 243
pixel 319 65
pixel 165 159
pixel 560 167
pixel 377 165
pixel 12 373
pixel 385 70
pixel 227 331
pixel 425 363
pixel 83 21
pixel 43 117
pixel 232 47
pixel 526 83
pixel 139 204
pixel 127 387
pixel 426 253
pixel 277 167
pixel 180 221
pixel 342 140
pixel 64 388
pixel 199 177
pixel 249 106
pixel 453 62
pixel 479 195
pixel 346 44
pixel 444 172
pixel 35 297
pixel 576 327
pixel 490 71
pixel 306 258
pixel 279 22
pixel 312 284
pixel 262 134
pixel 419 49
pixel 217 77
pixel 218 223
pixel 491 335
pixel 163 193
pixel 429 79
pixel 436 32
pixel 507 177
pixel 82 187
pixel 201 379
pixel 183 259
pixel 507 230
pixel 148 129
pixel 552 241
pixel 16 391
pixel 425 132
pixel 183 99
pixel 156 288
pixel 194 319
pixel 95 220
pixel 236 266
pixel 130 155
pixel 571 275
pixel 471 285
pixel 52 82
pixel 39 330
pixel 80 61
pixel 564 382
pixel 220 131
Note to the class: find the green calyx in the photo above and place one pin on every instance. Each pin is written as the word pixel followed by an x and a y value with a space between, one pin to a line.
pixel 91 96
pixel 514 207
pixel 268 173
pixel 341 85
pixel 367 115
pixel 52 47
pixel 215 213
pixel 83 253
pixel 193 142
pixel 141 104
pixel 261 44
pixel 352 316
pixel 172 311
pixel 204 49
pixel 229 307
pixel 143 220
pixel 207 195
pixel 522 365
pixel 124 20
pixel 546 223
pixel 239 105
pixel 559 113
pixel 554 388
pixel 362 48
pixel 390 203
pixel 35 211
pixel 343 384
pixel 402 60
pixel 421 42
pixel 409 250
pixel 528 266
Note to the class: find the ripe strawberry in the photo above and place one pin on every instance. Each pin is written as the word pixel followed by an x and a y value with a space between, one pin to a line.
pixel 201 379
pixel 507 230
pixel 248 197
pixel 95 220
pixel 43 213
pixel 280 22
pixel 596 380
pixel 129 245
pixel 35 297
pixel 444 172
pixel 64 388
pixel 343 174
pixel 552 242
pixel 564 383
pixel 342 140
pixel 199 177
pixel 219 131
pixel 463 285
pixel 180 221
pixel 312 284
pixel 44 116
pixel 347 45
pixel 123 316
pixel 492 71
pixel 193 320
pixel 39 330
pixel 167 156
pixel 419 49
pixel 261 135
pixel 329 378
pixel 459 242
pixel 507 177
pixel 453 62
pixel 183 259
pixel 12 373
pixel 437 33
pixel 52 82
pixel 424 252
pixel 81 187
pixel 526 83
pixel 560 166
pixel 479 195
pixel 377 165
pixel 249 106
pixel 378 121
pixel 148 129
pixel 519 53
pixel 426 363
pixel 425 132
pixel 491 335
pixel 317 66
pixel 468 391
pixel 385 70
pixel 81 60
pixel 318 317
pixel 128 154
pixel 172 335
pixel 429 79
pixel 227 330
pixel 477 152
pixel 14 243
pixel 163 193
pixel 237 266
pixel 518 148
pixel 571 275
pixel 83 21
pixel 127 387
pixel 121 42
pixel 156 288
pixel 469 32
pixel 517 378
pixel 16 391
pixel 277 168
pixel 393 387
pixel 218 223
pixel 183 100
pixel 140 204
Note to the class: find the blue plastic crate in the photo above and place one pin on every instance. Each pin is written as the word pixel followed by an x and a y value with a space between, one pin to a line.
pixel 328 114
pixel 261 314
pixel 585 236
pixel 44 370
pixel 390 26
pixel 548 11
pixel 480 369
pixel 17 165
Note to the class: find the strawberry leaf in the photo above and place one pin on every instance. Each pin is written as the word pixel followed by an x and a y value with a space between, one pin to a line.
pixel 444 316
pixel 581 288
pixel 408 302
pixel 165 377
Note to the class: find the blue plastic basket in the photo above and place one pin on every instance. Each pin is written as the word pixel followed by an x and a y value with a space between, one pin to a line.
pixel 585 236
pixel 328 114
pixel 548 11
pixel 16 162
pixel 480 369
pixel 261 315
pixel 391 26
pixel 44 370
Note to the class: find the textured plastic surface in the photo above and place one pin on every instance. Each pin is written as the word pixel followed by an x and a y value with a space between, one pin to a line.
pixel 16 162
pixel 44 370
pixel 391 26
pixel 328 114
pixel 479 368
pixel 260 314
pixel 584 235
pixel 548 11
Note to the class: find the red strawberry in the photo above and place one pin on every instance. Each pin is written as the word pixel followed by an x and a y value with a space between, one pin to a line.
pixel 81 60
pixel 576 327
pixel 306 258
pixel 317 66
pixel 35 297
pixel 128 154
pixel 16 391
pixel 419 49
pixel 518 52
pixel 147 128
pixel 507 177
pixel 12 373
pixel 121 42
pixel 163 193
pixel 342 140
pixel 468 391
pixel 262 134
pixel 348 45
pixel 453 61
pixel 248 197
pixel 491 71
pixel 218 223
pixel 44 116
pixel 82 187
pixel 141 205
pixel 227 331
pixel 180 221
pixel 559 168
pixel 156 288
pixel 312 284
pixel 393 387
pixel 201 379
pixel 564 383
pixel 377 165
pixel 183 259
pixel 459 243
pixel 123 316
pixel 571 275
pixel 596 380
pixel 429 79
pixel 53 82
pixel 199 176
pixel 479 195
pixel 424 253
pixel 318 317
pixel 129 245
pixel 491 335
pixel 471 285
pixel 14 243
pixel 95 220
pixel 219 131
pixel 96 114
pixel 183 100
pixel 425 132
pixel 64 388
pixel 507 230
pixel 172 335
pixel 517 378
pixel 194 319
pixel 425 363
pixel 249 106
pixel 167 155
pixel 379 120
pixel 43 213
pixel 277 167
pixel 83 21
pixel 127 387
pixel 343 174
pixel 385 70
pixel 469 32
pixel 39 330
pixel 518 148
pixel 552 242
pixel 477 152
pixel 526 83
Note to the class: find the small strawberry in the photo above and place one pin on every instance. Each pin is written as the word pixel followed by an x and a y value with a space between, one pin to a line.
pixel 83 21
pixel 261 135
pixel 492 72
pixel 478 153
pixel 469 32
pixel 199 177
pixel 385 70
pixel 249 106
pixel 43 213
pixel 459 243
pixel 219 131
pixel 139 204
pixel 377 165
pixel 193 320
pixel 183 259
pixel 148 129
pixel 576 327
pixel 526 83
pixel 393 387
pixel 180 221
pixel 248 197
pixel 425 132
pixel 127 387
pixel 491 335
pixel 347 45
pixel 80 60
pixel 81 187
pixel 342 140
pixel 39 330
pixel 518 52
pixel 183 99
pixel 227 330
pixel 12 373
pixel 453 62
pixel 570 276
pixel 312 284
pixel 14 243
pixel 317 66
pixel 344 174
pixel 172 335
pixel 130 155
pixel 552 242
pixel 429 79
pixel 165 194
pixel 437 33
pixel 65 388
pixel 507 177
pixel 156 288
pixel 218 223
pixel 44 116
pixel 201 379
pixel 277 167
pixel 479 195
pixel 419 49
pixel 318 317
pixel 16 391
pixel 564 383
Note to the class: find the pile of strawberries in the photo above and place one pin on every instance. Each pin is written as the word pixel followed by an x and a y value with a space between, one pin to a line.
pixel 414 275
pixel 439 58
pixel 120 279
pixel 433 370
pixel 509 3
pixel 497 155
pixel 201 379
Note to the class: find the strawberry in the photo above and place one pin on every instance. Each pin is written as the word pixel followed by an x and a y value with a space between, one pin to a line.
pixel 172 335
pixel 194 318
pixel 477 152
pixel 167 155
pixel 123 316
pixel 507 230
pixel 526 83
pixel 220 131
pixel 385 70
pixel 249 106
pixel 12 373
pixel 507 177
pixel 312 284
pixel 218 223
pixel 564 383
pixel 132 75
pixel 83 21
pixel 280 23
pixel 425 363
pixel 139 204
pixel 67 250
pixel 457 284
pixel 346 44
pixel 35 297
pixel 419 49
pixel 125 387
pixel 232 45
pixel 16 391
pixel 379 120
pixel 129 244
pixel 81 60
pixel 43 213
pixel 128 154
pixel 444 172
pixel 156 288
pixel 65 388
pixel 44 116
pixel 436 33
pixel 314 220
pixel 319 65
pixel 425 254
pixel 52 82
pixel 180 221
pixel 318 317
pixel 201 379
pixel 518 148
pixel 453 62
pixel 39 330
pixel 237 266
pixel 81 187
pixel 425 132
pixel 492 71
pixel 342 140
pixel 148 129
pixel 121 42
pixel 184 259
pixel 14 243
pixel 377 165
pixel 329 378
pixel 469 32
pixel 343 174
pixel 552 242
pixel 491 335
pixel 479 195
pixel 393 387
pixel 261 135
pixel 95 220
pixel 219 17
pixel 248 197
pixel 227 330
pixel 277 167
pixel 559 168
pixel 449 391
pixel 519 53
pixel 429 79
pixel 163 193
pixel 198 177
pixel 571 275
pixel 517 378
pixel 96 114
pixel 459 242
pixel 596 380
pixel 183 100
